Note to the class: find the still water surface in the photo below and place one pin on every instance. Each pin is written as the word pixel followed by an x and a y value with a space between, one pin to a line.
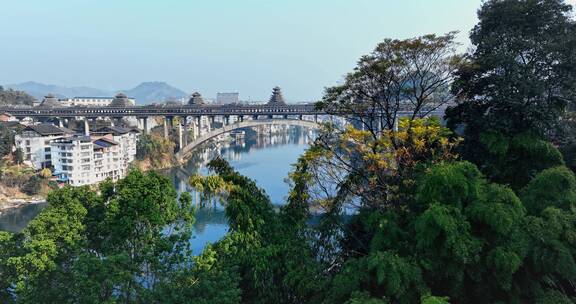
pixel 264 158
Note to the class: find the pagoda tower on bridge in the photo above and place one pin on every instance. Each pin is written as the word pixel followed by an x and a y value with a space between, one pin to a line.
pixel 276 98
pixel 196 99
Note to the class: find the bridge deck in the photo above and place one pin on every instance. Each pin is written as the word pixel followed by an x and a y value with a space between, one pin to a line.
pixel 157 110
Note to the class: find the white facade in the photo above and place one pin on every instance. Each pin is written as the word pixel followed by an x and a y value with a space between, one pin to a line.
pixel 35 144
pixel 108 161
pixel 83 160
pixel 73 160
pixel 127 146
pixel 91 101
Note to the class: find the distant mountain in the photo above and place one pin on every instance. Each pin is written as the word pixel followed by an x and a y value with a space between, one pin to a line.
pixel 39 90
pixel 154 91
pixel 144 93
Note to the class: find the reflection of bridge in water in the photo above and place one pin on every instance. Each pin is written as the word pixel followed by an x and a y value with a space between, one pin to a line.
pixel 183 153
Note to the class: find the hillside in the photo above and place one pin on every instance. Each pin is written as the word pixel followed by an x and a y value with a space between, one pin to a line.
pixel 144 93
pixel 154 91
pixel 39 90
pixel 14 97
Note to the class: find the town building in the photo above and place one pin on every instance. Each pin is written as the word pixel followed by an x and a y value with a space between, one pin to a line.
pixel 86 160
pixel 34 141
pixel 73 159
pixel 95 101
pixel 126 137
pixel 5 117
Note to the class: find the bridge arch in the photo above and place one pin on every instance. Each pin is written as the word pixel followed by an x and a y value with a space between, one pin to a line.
pixel 184 152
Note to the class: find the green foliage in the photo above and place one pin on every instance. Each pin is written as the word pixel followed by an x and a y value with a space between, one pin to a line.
pixel 554 187
pixel 45 173
pixel 18 156
pixel 424 227
pixel 458 184
pixel 434 300
pixel 32 186
pixel 521 73
pixel 13 97
pixel 516 160
pixel 155 149
pixel 6 140
pixel 115 245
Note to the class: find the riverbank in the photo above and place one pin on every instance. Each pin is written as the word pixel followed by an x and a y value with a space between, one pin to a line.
pixel 18 203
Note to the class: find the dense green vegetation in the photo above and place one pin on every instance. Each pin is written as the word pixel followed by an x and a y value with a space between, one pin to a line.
pixel 17 179
pixel 481 211
pixel 154 152
pixel 12 97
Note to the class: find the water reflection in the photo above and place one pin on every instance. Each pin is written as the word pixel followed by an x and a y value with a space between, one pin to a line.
pixel 265 155
pixel 14 220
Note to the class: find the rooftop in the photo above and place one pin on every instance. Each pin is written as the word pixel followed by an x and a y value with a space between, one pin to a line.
pixel 46 129
pixel 104 143
pixel 114 130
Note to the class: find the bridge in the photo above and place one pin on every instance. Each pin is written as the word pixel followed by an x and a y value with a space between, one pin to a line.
pixel 195 117
pixel 186 150
pixel 162 110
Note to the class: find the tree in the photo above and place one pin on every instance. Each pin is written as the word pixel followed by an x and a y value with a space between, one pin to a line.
pixel 18 156
pixel 6 140
pixel 411 75
pixel 515 161
pixel 32 186
pixel 351 166
pixel 521 74
pixel 120 244
pixel 13 97
pixel 45 173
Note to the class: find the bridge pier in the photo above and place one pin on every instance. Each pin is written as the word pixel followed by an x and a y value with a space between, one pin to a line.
pixel 165 127
pixel 60 122
pixel 142 124
pixel 198 127
pixel 186 131
pixel 86 127
pixel 180 138
pixel 211 121
pixel 145 124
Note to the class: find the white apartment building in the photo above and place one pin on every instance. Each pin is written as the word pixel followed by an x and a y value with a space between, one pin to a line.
pixel 91 101
pixel 125 137
pixel 83 160
pixel 73 160
pixel 34 141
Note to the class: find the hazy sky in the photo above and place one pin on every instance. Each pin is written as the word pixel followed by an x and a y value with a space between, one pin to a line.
pixel 211 46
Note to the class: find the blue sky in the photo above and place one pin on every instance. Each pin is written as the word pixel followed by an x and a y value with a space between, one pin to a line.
pixel 246 46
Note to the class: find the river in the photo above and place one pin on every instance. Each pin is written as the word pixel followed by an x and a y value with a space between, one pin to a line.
pixel 265 157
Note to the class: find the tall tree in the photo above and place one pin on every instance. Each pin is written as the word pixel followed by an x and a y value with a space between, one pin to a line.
pixel 520 75
pixel 13 97
pixel 412 75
